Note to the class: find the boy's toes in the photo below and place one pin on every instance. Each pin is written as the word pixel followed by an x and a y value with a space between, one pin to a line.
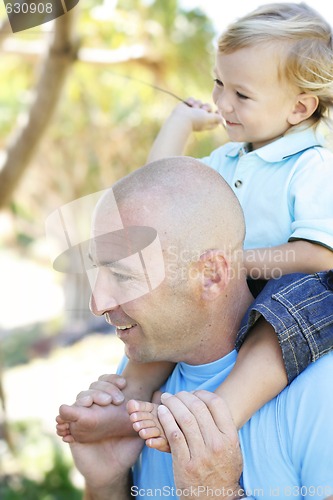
pixel 62 429
pixel 67 413
pixel 141 416
pixel 68 439
pixel 139 406
pixel 132 406
pixel 147 433
pixel 159 443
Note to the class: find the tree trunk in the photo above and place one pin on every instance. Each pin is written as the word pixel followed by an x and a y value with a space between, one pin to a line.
pixel 60 55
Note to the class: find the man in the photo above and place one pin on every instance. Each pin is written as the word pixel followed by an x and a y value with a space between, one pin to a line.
pixel 192 319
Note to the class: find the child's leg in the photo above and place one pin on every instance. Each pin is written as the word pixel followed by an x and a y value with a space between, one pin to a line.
pixel 101 412
pixel 258 375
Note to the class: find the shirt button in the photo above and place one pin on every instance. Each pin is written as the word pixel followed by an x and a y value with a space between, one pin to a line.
pixel 238 183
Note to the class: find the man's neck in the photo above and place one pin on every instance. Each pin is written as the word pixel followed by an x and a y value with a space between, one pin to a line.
pixel 219 335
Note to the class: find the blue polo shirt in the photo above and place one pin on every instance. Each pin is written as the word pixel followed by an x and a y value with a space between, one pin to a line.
pixel 285 188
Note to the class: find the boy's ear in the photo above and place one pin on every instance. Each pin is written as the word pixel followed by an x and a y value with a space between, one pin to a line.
pixel 214 274
pixel 305 106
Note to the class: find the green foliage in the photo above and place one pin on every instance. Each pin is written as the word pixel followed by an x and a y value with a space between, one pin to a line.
pixel 56 485
pixel 106 120
pixel 45 472
pixel 24 343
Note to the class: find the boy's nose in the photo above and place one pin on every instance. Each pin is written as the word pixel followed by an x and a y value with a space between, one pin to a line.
pixel 224 104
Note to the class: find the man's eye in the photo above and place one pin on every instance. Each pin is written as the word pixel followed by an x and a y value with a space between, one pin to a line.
pixel 218 82
pixel 241 96
pixel 122 277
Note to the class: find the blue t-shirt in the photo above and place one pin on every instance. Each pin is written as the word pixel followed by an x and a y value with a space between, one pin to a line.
pixel 284 188
pixel 287 445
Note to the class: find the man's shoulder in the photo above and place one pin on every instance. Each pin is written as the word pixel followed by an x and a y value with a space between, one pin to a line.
pixel 289 441
pixel 317 377
pixel 309 396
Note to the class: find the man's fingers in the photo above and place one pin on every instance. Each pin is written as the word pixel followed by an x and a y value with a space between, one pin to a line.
pixel 225 437
pixel 185 418
pixel 204 419
pixel 100 393
pixel 219 411
pixel 177 442
pixel 117 396
pixel 201 430
pixel 88 398
pixel 114 379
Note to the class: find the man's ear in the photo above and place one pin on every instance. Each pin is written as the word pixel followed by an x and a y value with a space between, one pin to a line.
pixel 305 106
pixel 214 273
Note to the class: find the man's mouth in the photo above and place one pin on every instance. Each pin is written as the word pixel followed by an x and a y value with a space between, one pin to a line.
pixel 119 327
pixel 124 327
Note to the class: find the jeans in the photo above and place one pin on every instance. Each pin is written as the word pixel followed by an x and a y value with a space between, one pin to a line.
pixel 300 309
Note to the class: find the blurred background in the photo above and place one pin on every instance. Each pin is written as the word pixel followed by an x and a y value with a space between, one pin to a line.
pixel 78 110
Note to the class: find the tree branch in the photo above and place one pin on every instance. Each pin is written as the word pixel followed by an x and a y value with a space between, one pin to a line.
pixel 32 125
pixel 137 52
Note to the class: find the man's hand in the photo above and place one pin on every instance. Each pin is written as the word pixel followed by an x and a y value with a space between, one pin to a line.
pixel 204 444
pixel 105 466
pixel 98 413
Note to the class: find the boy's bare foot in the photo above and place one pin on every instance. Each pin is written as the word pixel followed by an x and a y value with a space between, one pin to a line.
pixel 86 425
pixel 144 417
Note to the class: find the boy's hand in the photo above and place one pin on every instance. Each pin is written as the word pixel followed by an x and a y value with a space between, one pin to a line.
pixel 201 115
pixel 184 119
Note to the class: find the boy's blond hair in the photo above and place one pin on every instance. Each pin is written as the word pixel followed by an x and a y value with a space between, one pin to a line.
pixel 307 46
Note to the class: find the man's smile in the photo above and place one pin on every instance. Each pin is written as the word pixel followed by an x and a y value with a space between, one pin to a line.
pixel 119 327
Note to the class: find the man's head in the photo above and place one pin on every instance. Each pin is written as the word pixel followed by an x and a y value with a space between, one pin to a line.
pixel 200 227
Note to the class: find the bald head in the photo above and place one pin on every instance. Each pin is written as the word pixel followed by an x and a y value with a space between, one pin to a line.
pixel 173 228
pixel 185 201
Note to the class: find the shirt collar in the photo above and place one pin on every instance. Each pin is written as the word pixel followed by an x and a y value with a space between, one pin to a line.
pixel 288 145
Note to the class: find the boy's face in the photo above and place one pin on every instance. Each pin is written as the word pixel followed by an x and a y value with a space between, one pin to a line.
pixel 254 101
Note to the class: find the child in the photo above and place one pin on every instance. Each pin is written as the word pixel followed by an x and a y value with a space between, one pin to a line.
pixel 273 87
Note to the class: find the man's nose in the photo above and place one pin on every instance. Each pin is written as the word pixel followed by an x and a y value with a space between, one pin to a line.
pixel 99 305
pixel 102 299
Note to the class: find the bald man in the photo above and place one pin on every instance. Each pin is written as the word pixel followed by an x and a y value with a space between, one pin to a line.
pixel 192 319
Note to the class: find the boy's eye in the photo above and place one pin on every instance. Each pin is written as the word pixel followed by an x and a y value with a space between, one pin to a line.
pixel 241 96
pixel 218 82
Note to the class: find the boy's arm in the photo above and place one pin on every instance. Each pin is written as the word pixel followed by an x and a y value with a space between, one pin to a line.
pixel 294 257
pixel 118 491
pixel 184 119
pixel 258 375
pixel 143 379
